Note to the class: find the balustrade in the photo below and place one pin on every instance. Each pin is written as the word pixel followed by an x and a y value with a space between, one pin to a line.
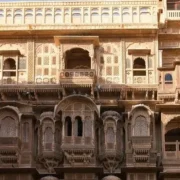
pixel 140 80
pixel 79 15
pixel 77 76
pixel 173 15
pixel 172 150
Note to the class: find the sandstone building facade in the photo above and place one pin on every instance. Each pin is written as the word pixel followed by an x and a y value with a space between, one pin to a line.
pixel 89 90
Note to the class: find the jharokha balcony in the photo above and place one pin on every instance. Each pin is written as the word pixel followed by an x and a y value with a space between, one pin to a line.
pixel 84 77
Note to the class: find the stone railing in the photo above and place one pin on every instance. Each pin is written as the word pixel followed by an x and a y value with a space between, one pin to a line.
pixel 140 80
pixel 172 150
pixel 77 76
pixel 80 13
pixel 173 15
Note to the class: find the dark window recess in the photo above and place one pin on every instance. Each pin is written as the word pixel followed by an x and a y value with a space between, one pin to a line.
pixel 168 79
pixel 68 126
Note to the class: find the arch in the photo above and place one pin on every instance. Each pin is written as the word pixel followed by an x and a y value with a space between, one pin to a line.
pixel 168 78
pixel 76 15
pixel 46 115
pixel 139 67
pixel 58 18
pixel 173 135
pixel 111 115
pixel 115 17
pixel 63 104
pixel 28 18
pixel 105 17
pixel 145 15
pixel 9 64
pixel 94 17
pixel 139 63
pixel 77 58
pixel 18 19
pixel 78 126
pixel 48 18
pixel 68 126
pixel 39 18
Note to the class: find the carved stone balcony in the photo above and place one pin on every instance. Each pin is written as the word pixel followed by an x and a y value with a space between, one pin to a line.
pixel 50 155
pixel 9 149
pixel 173 15
pixel 78 150
pixel 142 153
pixel 83 77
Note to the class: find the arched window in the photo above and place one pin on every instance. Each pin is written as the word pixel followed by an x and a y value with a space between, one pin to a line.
pixel 28 18
pixel 26 132
pixel 168 79
pixel 77 58
pixel 18 19
pixel 58 17
pixel 116 17
pixel 18 16
pixel 145 15
pixel 76 15
pixel 126 16
pixel 139 67
pixel 78 126
pixel 8 127
pixel 139 63
pixel 48 135
pixel 68 126
pixel 9 68
pixel 105 17
pixel 9 64
pixel 39 18
pixel 141 127
pixel 94 15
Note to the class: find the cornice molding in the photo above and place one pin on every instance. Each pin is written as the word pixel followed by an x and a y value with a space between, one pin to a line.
pixel 82 3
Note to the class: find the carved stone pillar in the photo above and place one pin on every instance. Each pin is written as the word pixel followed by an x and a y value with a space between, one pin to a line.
pixel 91 54
pixel 30 57
pixel 49 178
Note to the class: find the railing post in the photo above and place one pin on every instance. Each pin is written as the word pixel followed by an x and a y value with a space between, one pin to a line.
pixel 177 150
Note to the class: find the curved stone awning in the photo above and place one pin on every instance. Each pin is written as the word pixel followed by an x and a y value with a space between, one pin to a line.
pixel 136 107
pixel 63 104
pixel 13 109
pixel 111 177
pixel 49 178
